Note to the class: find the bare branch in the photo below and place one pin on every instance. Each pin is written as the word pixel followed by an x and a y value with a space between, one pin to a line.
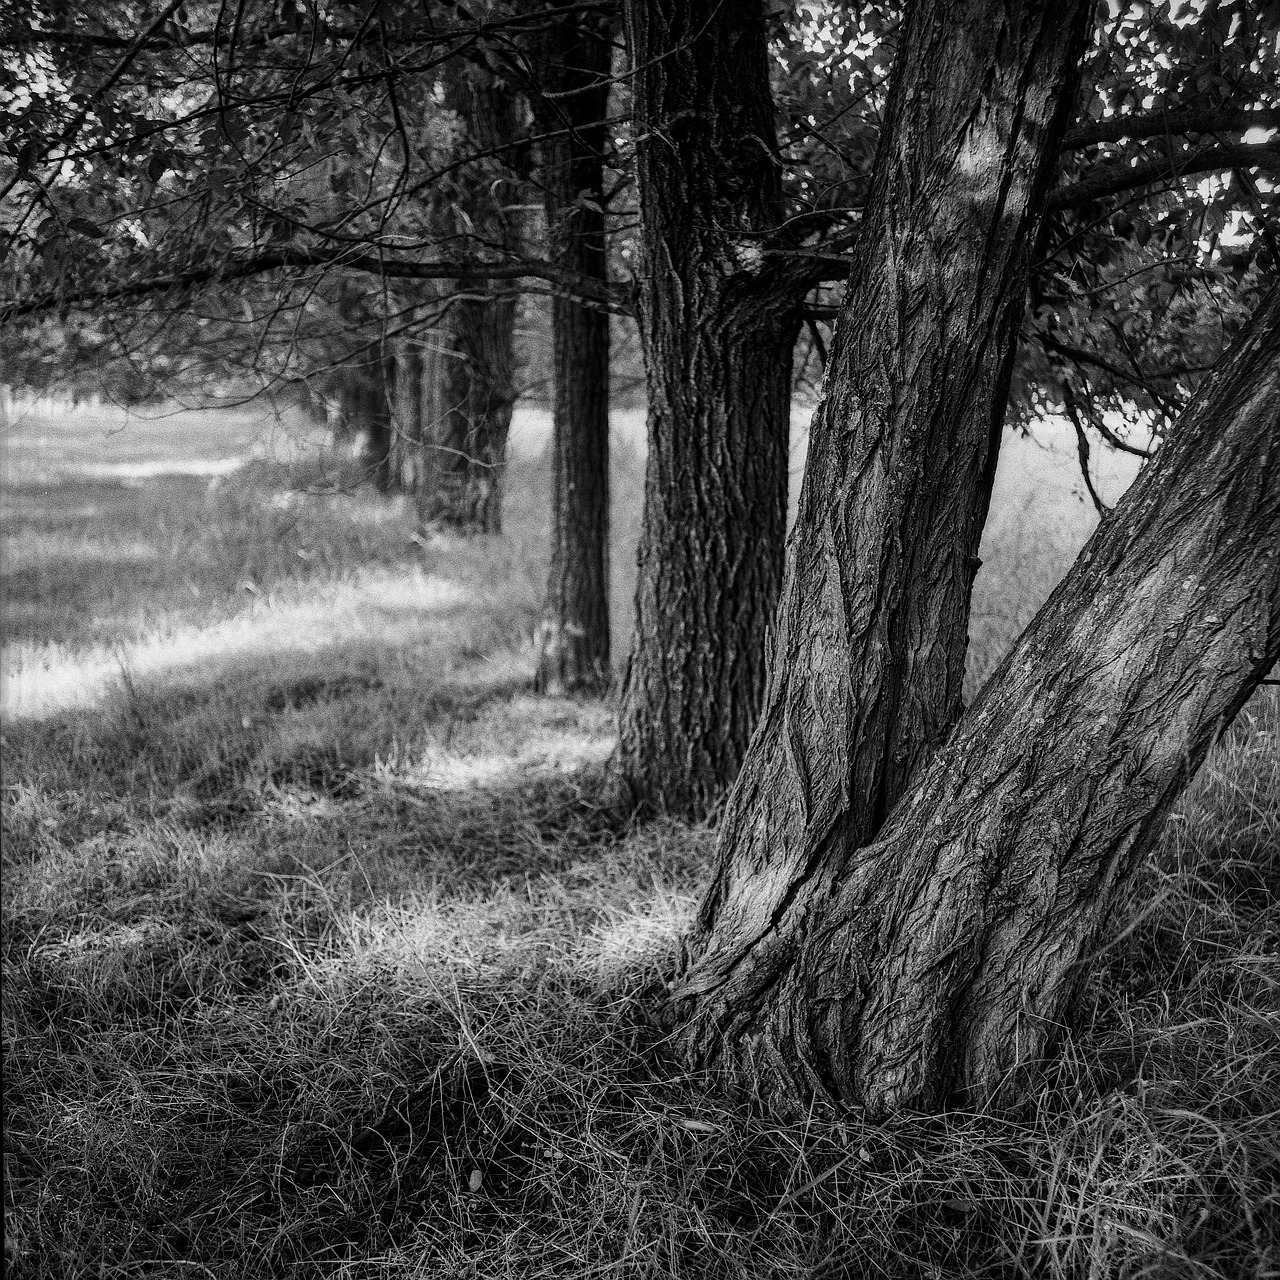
pixel 1160 124
pixel 590 292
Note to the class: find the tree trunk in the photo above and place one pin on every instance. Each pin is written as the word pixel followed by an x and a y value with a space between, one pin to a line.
pixel 361 409
pixel 940 962
pixel 573 636
pixel 717 337
pixel 380 385
pixel 480 210
pixel 468 439
pixel 873 624
pixel 407 463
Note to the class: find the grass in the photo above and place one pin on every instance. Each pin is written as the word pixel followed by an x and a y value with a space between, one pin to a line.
pixel 319 962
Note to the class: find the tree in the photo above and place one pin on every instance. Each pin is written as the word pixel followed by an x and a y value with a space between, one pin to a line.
pixel 573 635
pixel 815 947
pixel 939 962
pixel 873 625
pixel 717 326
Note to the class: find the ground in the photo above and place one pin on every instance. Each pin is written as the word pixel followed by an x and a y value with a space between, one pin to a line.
pixel 319 961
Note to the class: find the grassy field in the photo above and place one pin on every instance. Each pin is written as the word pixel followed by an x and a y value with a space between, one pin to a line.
pixel 317 962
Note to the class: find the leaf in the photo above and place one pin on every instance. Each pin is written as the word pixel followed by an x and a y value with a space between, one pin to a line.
pixel 474 1181
pixel 27 155
pixel 86 228
pixel 961 1204
pixel 698 1126
pixel 157 165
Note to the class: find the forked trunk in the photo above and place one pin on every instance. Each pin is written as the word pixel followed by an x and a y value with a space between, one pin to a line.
pixel 872 628
pixel 717 336
pixel 573 636
pixel 939 962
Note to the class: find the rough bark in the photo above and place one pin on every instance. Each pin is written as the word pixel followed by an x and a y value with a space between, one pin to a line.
pixel 573 635
pixel 872 627
pixel 717 334
pixel 939 962
pixel 468 438
pixel 476 390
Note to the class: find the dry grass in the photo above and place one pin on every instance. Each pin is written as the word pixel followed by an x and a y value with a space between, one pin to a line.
pixel 319 961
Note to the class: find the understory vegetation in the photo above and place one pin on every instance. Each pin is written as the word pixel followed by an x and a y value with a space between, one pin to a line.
pixel 319 958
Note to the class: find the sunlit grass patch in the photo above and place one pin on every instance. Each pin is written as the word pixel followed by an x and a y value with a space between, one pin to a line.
pixel 320 960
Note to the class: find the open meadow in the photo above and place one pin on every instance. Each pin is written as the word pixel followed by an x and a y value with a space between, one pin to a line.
pixel 318 959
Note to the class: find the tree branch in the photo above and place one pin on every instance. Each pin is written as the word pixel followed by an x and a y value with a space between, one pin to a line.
pixel 1111 179
pixel 1161 124
pixel 582 288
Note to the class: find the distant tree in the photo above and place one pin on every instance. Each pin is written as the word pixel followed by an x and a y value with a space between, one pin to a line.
pixel 573 65
pixel 478 207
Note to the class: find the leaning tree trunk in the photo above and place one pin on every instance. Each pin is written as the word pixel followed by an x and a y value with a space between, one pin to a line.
pixel 872 628
pixel 468 438
pixel 939 962
pixel 717 336
pixel 573 636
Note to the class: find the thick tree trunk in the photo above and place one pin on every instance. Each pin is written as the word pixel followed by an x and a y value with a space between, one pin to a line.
pixel 573 636
pixel 717 335
pixel 468 438
pixel 939 962
pixel 873 624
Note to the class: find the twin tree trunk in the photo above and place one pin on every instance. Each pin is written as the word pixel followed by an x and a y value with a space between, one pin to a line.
pixel 573 636
pixel 717 340
pixel 939 963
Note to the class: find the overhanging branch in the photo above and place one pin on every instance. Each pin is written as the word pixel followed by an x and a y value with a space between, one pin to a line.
pixel 1160 124
pixel 568 283
pixel 1111 179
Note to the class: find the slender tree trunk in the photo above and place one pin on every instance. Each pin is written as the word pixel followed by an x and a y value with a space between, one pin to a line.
pixel 717 335
pixel 873 624
pixel 468 442
pixel 380 385
pixel 476 390
pixel 573 636
pixel 940 962
pixel 408 443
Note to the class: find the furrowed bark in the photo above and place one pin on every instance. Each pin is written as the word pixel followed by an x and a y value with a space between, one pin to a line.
pixel 873 623
pixel 717 332
pixel 938 963
pixel 573 635
pixel 468 439
pixel 476 391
